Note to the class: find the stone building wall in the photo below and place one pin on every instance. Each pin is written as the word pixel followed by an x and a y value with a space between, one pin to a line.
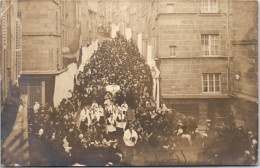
pixel 184 76
pixel 41 35
pixel 184 31
pixel 244 48
pixel 244 69
pixel 41 53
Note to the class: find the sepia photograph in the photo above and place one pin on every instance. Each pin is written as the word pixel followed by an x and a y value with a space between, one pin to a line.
pixel 129 83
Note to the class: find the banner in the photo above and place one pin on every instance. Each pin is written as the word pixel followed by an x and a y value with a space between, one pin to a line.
pixel 87 53
pixel 63 83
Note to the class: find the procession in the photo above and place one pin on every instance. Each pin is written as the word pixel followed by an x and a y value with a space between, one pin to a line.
pixel 100 125
pixel 129 83
pixel 102 118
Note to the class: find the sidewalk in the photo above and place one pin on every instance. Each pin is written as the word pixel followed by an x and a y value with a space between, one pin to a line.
pixel 15 147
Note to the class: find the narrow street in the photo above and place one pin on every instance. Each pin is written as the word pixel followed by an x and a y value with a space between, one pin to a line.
pixel 129 83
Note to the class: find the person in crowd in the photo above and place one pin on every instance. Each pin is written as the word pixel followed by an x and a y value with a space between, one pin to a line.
pixel 110 125
pixel 115 111
pixel 111 107
pixel 120 123
pixel 94 116
pixel 101 113
pixel 94 105
pixel 36 107
pixel 84 118
pixel 130 139
pixel 130 136
pixel 124 108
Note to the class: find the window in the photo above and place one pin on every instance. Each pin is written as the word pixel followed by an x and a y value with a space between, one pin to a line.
pixel 18 49
pixel 210 44
pixel 67 38
pixel 209 6
pixel 63 37
pixel 57 22
pixel 19 14
pixel 173 51
pixel 170 8
pixel 63 12
pixel 211 83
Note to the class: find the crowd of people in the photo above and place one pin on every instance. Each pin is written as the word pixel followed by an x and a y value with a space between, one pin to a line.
pixel 116 62
pixel 98 118
pixel 93 125
pixel 92 135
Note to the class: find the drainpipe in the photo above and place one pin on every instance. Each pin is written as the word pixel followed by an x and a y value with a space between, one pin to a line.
pixel 228 50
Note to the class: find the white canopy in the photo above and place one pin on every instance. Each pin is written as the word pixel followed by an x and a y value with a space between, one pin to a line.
pixel 112 88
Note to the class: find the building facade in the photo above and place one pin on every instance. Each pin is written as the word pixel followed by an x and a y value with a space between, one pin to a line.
pixel 42 48
pixel 53 35
pixel 11 46
pixel 244 68
pixel 198 47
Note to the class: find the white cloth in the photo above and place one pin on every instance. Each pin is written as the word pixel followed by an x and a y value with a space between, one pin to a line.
pixel 113 88
pixel 117 109
pixel 128 137
pixel 83 114
pixel 100 111
pixel 111 107
pixel 96 116
pixel 87 53
pixel 120 123
pixel 124 107
pixel 63 83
